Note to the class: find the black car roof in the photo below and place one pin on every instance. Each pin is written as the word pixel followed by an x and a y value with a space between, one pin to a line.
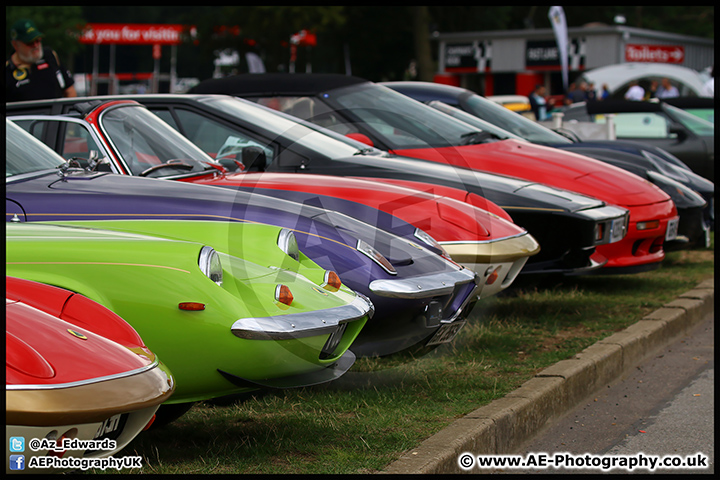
pixel 621 106
pixel 276 83
pixel 425 86
pixel 427 91
pixel 691 102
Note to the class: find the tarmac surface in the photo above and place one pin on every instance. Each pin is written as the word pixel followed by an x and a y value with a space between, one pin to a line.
pixel 509 424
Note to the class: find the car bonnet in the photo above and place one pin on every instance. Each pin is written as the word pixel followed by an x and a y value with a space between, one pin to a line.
pixel 43 350
pixel 559 168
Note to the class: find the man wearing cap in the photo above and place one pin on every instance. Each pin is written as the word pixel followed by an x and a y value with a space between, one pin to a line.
pixel 33 72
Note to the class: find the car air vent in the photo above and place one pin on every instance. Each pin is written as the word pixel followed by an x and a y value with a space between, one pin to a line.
pixel 399 260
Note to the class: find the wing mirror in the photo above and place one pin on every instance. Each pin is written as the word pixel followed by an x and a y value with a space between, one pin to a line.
pixel 677 131
pixel 254 159
pixel 97 164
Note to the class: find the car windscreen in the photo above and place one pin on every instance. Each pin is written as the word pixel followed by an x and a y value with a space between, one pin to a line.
pixel 692 122
pixel 511 121
pixel 148 145
pixel 397 120
pixel 26 154
pixel 471 119
pixel 282 126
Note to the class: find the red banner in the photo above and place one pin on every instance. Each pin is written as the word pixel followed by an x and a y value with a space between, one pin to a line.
pixel 304 39
pixel 132 34
pixel 654 53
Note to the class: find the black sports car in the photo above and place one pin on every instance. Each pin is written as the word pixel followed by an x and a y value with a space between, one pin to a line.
pixel 688 137
pixel 644 159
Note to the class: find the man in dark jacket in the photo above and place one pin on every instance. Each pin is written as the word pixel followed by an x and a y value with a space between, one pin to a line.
pixel 33 72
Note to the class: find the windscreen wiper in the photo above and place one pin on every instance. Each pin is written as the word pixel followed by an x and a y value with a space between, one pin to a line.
pixel 477 137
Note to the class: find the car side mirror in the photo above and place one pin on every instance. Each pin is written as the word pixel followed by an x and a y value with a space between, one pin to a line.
pixel 97 164
pixel 677 131
pixel 103 165
pixel 254 159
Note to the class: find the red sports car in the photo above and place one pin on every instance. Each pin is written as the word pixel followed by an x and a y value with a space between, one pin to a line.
pixel 74 372
pixel 393 122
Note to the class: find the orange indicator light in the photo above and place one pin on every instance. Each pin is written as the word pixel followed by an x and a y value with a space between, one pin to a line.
pixel 493 276
pixel 283 294
pixel 648 225
pixel 332 279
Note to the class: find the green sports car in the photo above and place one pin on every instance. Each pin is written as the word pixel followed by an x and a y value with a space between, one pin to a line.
pixel 252 312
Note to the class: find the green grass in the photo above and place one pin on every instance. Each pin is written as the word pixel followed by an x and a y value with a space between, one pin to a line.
pixel 369 417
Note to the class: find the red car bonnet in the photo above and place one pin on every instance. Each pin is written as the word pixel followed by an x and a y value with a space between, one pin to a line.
pixel 444 218
pixel 42 349
pixel 550 166
pixel 73 308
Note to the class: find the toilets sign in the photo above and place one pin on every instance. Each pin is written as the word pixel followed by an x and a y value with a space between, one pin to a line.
pixel 654 53
pixel 132 34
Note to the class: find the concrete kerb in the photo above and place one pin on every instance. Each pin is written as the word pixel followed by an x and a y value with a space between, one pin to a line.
pixel 506 423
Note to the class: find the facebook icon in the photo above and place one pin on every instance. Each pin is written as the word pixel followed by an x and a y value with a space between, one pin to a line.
pixel 17 462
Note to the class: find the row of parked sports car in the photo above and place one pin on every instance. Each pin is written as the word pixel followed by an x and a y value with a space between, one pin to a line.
pixel 189 247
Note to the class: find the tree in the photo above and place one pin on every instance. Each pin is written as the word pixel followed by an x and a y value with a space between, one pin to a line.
pixel 421 32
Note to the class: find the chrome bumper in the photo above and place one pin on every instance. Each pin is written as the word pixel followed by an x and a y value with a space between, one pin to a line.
pixel 500 250
pixel 305 324
pixel 423 286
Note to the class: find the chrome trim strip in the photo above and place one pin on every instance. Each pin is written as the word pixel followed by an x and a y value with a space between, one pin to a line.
pixel 56 386
pixel 422 286
pixel 473 242
pixel 305 324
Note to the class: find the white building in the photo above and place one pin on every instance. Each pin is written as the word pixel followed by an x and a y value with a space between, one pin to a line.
pixel 513 62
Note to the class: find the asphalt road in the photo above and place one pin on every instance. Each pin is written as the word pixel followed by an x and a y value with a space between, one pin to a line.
pixel 664 406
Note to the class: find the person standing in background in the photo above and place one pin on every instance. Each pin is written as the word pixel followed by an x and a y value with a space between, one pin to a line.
pixel 605 92
pixel 651 90
pixel 538 103
pixel 709 87
pixel 635 92
pixel 667 89
pixel 590 94
pixel 33 72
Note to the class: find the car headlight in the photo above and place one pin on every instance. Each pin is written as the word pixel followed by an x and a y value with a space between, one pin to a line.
pixel 209 263
pixel 683 196
pixel 288 244
pixel 429 240
pixel 666 168
pixel 377 257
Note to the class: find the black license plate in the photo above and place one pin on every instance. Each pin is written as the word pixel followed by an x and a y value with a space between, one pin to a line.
pixel 445 333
